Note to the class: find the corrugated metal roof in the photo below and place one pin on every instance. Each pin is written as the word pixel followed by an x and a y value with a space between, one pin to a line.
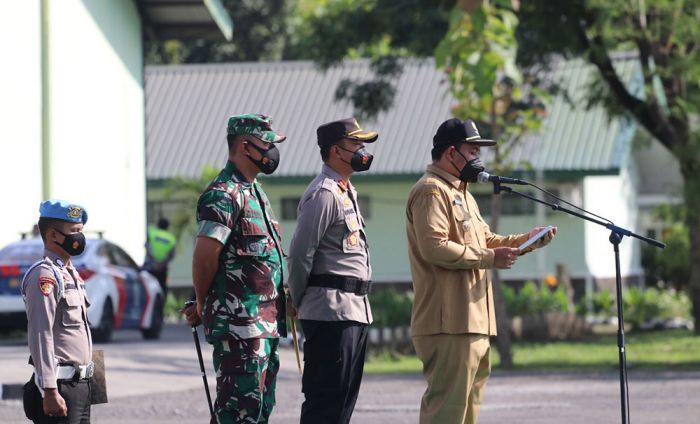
pixel 187 107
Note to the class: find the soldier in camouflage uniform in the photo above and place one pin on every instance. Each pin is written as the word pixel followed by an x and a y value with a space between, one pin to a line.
pixel 238 274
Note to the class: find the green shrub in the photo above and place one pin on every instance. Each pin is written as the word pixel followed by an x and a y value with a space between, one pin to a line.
pixel 639 305
pixel 531 300
pixel 602 302
pixel 642 305
pixel 391 307
pixel 172 307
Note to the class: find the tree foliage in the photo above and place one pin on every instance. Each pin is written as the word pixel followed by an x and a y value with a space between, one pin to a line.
pixel 384 31
pixel 187 191
pixel 261 32
pixel 327 32
pixel 478 55
pixel 663 35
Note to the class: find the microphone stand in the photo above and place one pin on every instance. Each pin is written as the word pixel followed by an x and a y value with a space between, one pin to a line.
pixel 616 234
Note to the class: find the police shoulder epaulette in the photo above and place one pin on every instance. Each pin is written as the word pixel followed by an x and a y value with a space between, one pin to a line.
pixel 56 273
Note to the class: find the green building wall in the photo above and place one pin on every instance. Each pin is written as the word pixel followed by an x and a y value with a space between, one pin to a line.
pixel 386 231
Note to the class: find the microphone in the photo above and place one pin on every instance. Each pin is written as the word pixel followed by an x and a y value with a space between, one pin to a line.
pixel 485 177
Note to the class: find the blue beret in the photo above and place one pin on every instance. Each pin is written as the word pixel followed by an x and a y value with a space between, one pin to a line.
pixel 60 209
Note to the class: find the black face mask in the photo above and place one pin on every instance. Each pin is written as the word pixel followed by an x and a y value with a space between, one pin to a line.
pixel 73 243
pixel 269 161
pixel 471 169
pixel 361 159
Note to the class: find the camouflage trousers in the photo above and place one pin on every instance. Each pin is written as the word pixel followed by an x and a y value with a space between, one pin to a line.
pixel 246 372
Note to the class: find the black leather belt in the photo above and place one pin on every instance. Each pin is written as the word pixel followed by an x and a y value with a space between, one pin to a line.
pixel 347 284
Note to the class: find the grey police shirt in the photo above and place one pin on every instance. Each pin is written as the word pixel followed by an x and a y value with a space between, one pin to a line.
pixel 57 327
pixel 329 239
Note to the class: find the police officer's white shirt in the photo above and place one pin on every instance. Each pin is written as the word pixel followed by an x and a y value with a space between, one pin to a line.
pixel 57 326
pixel 329 239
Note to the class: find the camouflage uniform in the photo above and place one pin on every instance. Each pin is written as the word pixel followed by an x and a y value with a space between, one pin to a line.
pixel 244 311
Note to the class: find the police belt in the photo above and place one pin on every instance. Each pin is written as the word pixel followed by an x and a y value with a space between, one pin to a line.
pixel 346 284
pixel 70 372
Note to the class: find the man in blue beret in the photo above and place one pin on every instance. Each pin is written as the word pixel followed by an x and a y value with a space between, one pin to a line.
pixel 58 333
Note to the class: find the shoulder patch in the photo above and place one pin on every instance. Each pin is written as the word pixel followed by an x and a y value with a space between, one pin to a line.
pixel 433 192
pixel 329 184
pixel 46 285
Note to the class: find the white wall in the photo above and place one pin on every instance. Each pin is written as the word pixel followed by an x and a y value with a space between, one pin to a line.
pixel 97 115
pixel 95 120
pixel 20 118
pixel 613 197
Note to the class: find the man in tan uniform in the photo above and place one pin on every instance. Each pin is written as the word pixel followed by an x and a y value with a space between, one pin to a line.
pixel 58 334
pixel 450 250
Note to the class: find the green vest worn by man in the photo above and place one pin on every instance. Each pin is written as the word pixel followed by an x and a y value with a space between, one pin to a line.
pixel 161 243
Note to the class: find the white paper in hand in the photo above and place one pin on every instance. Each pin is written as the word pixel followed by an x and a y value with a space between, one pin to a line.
pixel 536 237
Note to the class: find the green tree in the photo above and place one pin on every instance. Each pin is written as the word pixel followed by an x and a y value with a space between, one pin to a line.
pixel 664 36
pixel 478 54
pixel 187 191
pixel 384 31
pixel 261 32
pixel 671 265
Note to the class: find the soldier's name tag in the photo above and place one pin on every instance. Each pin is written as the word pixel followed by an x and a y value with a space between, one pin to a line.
pixel 457 201
pixel 251 213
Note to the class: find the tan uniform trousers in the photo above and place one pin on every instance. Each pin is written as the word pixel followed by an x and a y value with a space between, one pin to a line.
pixel 456 367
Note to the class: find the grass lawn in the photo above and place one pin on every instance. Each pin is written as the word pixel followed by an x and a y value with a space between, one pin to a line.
pixel 658 350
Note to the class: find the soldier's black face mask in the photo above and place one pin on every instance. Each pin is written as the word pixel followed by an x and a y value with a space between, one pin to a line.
pixel 470 171
pixel 269 161
pixel 361 159
pixel 73 243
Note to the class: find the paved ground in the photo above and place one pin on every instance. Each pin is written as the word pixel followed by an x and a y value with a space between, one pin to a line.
pixel 159 382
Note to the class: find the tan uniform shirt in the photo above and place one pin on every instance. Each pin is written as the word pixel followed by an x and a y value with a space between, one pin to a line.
pixel 450 249
pixel 57 327
pixel 329 239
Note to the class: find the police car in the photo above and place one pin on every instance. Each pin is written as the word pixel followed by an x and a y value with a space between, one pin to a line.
pixel 121 295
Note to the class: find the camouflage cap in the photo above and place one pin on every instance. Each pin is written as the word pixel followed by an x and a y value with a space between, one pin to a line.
pixel 254 124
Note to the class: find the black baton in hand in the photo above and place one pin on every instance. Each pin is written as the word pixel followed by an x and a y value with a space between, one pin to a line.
pixel 201 361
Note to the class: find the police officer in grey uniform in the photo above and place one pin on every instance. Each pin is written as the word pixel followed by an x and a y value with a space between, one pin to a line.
pixel 329 276
pixel 58 333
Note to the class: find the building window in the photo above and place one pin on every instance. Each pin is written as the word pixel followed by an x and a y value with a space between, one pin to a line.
pixel 512 204
pixel 289 208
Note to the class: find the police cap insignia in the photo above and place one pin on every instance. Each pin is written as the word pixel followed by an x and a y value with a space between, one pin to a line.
pixel 60 209
pixel 75 212
pixel 46 285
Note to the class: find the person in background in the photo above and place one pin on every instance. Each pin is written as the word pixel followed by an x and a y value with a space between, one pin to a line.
pixel 160 251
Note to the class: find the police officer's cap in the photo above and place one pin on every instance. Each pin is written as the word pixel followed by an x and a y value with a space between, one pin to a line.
pixel 345 128
pixel 65 211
